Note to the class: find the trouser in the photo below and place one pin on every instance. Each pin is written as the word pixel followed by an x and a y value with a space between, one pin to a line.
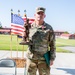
pixel 33 65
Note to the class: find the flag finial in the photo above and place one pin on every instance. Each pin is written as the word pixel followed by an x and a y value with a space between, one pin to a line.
pixel 24 13
pixel 11 10
pixel 18 12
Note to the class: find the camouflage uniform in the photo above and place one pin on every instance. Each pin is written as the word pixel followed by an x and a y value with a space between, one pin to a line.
pixel 43 39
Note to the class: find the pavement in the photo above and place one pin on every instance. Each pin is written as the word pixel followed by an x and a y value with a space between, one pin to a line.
pixel 69 48
pixel 64 63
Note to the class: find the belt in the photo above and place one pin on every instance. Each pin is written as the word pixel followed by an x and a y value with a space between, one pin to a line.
pixel 42 59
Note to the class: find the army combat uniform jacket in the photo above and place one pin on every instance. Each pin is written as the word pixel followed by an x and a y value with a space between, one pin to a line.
pixel 43 39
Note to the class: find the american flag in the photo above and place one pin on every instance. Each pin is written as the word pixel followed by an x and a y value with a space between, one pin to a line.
pixel 17 24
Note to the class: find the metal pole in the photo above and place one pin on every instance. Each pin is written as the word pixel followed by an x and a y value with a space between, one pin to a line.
pixel 11 34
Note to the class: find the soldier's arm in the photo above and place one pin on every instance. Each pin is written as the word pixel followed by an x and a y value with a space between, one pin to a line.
pixel 52 44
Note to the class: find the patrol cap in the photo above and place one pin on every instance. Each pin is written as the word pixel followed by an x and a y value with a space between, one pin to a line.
pixel 40 9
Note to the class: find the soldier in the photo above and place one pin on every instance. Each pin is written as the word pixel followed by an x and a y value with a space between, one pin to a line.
pixel 42 36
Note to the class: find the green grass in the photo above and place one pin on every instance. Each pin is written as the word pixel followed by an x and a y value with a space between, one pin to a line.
pixel 64 42
pixel 6 43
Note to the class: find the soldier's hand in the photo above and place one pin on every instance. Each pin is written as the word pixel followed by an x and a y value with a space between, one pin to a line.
pixel 51 62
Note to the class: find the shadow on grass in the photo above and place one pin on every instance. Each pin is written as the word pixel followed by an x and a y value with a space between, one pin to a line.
pixel 67 70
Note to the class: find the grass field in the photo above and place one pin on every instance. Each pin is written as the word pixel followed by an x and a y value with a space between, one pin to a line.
pixel 7 44
pixel 64 42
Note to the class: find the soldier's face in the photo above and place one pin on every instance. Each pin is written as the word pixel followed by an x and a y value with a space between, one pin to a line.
pixel 39 16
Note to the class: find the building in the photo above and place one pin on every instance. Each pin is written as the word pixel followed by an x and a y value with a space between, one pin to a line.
pixel 67 36
pixel 58 33
pixel 5 31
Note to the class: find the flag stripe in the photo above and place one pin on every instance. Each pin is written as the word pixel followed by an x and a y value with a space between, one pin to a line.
pixel 17 29
pixel 31 20
pixel 17 26
pixel 16 33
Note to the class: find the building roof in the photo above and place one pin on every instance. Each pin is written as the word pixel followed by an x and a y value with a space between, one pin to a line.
pixel 4 30
pixel 66 35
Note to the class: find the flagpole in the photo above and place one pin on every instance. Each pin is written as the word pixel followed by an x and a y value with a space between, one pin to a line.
pixel 17 46
pixel 11 46
pixel 17 35
pixel 11 34
pixel 23 45
pixel 23 52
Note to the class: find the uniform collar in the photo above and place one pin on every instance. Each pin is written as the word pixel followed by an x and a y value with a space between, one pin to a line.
pixel 43 26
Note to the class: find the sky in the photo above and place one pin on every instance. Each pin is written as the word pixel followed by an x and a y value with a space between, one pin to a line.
pixel 60 14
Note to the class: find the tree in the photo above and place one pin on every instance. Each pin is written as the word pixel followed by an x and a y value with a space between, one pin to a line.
pixel 66 32
pixel 0 25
